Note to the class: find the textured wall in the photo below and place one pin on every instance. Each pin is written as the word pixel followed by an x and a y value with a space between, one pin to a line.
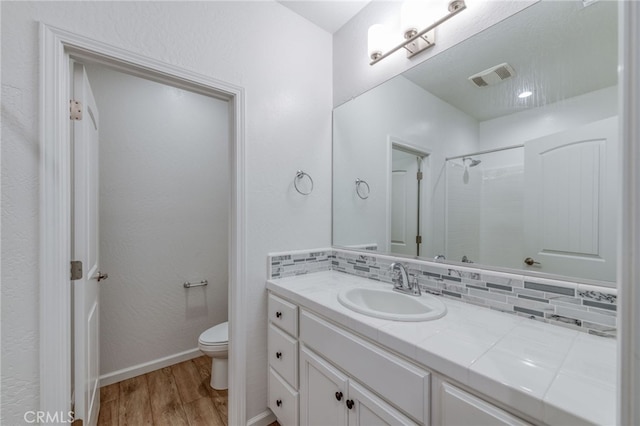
pixel 282 61
pixel 164 201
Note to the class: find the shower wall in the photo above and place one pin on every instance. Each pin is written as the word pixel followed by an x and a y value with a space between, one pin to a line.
pixel 485 211
pixel 164 200
pixel 501 216
pixel 463 205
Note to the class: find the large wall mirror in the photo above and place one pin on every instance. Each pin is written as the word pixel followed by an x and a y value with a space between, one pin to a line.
pixel 435 164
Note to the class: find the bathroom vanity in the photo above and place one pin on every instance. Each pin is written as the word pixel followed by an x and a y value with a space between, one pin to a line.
pixel 331 365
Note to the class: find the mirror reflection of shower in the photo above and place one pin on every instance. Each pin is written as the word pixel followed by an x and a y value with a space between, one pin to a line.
pixel 468 162
pixel 484 196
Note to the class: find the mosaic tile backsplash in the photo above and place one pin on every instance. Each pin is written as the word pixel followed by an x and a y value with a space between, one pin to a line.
pixel 587 308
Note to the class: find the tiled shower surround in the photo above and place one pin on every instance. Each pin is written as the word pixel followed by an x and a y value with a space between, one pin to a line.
pixel 582 307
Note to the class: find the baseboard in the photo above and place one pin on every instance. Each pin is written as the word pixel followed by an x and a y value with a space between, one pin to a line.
pixel 263 419
pixel 136 370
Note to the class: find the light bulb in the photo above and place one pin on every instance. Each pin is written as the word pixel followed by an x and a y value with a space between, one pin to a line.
pixel 416 15
pixel 377 38
pixel 413 17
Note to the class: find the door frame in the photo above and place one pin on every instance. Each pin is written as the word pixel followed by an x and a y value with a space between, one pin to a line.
pixel 425 187
pixel 57 48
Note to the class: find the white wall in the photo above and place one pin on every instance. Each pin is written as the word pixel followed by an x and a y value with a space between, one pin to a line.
pixel 164 202
pixel 282 61
pixel 401 109
pixel 352 74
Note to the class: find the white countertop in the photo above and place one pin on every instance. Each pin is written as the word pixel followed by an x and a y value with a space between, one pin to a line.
pixel 556 375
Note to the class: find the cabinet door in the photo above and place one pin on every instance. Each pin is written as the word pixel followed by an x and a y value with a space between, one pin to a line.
pixel 459 408
pixel 369 410
pixel 323 391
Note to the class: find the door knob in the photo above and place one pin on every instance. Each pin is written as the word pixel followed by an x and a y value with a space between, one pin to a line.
pixel 101 277
pixel 529 261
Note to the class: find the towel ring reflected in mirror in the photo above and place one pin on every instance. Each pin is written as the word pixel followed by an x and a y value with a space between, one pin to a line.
pixel 300 175
pixel 362 189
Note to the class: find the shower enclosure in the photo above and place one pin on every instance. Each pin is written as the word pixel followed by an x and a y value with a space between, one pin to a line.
pixel 484 207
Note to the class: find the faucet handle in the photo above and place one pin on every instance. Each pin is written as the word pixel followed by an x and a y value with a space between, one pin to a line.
pixel 415 286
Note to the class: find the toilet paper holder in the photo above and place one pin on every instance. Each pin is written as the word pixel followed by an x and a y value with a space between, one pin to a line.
pixel 187 284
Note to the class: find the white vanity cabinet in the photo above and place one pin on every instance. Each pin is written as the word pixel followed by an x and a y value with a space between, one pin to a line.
pixel 321 374
pixel 282 348
pixel 377 387
pixel 455 407
pixel 329 397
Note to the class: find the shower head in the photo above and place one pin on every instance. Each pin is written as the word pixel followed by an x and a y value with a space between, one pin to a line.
pixel 472 161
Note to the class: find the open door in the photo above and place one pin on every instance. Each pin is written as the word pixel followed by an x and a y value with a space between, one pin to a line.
pixel 406 174
pixel 86 306
pixel 570 203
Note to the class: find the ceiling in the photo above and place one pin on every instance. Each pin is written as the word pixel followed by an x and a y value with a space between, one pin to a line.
pixel 558 50
pixel 329 15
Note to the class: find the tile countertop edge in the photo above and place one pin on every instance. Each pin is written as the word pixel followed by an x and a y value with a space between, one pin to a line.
pixel 329 307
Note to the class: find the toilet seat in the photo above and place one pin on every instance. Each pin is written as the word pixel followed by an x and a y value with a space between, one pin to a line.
pixel 214 342
pixel 215 336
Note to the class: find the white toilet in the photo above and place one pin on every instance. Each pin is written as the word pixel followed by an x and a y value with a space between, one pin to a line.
pixel 214 342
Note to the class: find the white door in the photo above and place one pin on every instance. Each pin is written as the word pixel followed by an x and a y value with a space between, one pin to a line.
pixel 85 249
pixel 323 392
pixel 571 195
pixel 404 203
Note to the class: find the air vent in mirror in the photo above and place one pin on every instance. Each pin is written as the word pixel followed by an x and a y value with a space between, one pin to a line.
pixel 493 75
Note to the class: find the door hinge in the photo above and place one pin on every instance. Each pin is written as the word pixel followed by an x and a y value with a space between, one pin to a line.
pixel 76 270
pixel 75 110
pixel 419 176
pixel 418 239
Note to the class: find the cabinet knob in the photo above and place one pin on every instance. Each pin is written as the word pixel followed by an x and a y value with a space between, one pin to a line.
pixel 278 355
pixel 339 396
pixel 278 314
pixel 279 402
pixel 530 261
pixel 350 403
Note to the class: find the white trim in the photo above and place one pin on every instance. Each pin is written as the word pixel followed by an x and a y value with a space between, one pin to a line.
pixel 146 367
pixel 629 235
pixel 263 419
pixel 57 47
pixel 55 229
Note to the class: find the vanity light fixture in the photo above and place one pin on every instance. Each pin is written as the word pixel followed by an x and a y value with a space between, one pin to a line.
pixel 525 94
pixel 415 40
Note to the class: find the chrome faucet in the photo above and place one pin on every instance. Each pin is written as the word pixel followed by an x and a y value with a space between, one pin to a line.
pixel 439 257
pixel 401 280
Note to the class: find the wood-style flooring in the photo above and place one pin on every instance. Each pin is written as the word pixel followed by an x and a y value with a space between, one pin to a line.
pixel 172 396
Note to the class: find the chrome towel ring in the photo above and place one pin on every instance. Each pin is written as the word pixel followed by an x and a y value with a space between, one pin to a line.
pixel 362 189
pixel 300 175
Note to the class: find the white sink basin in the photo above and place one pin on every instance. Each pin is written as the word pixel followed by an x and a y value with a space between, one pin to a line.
pixel 389 304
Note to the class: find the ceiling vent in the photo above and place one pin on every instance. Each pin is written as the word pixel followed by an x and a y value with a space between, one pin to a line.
pixel 493 75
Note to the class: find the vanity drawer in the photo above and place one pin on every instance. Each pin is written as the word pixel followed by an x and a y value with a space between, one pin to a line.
pixel 283 400
pixel 387 375
pixel 284 314
pixel 283 354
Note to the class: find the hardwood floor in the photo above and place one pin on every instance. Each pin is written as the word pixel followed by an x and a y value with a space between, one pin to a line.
pixel 172 396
